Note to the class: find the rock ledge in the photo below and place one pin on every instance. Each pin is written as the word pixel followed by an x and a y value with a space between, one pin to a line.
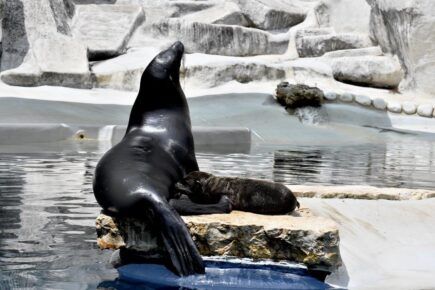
pixel 300 238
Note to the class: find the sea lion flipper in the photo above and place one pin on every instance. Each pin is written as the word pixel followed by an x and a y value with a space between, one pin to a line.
pixel 185 206
pixel 184 256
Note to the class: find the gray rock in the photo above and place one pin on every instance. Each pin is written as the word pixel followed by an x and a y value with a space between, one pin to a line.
pixel 346 97
pixel 394 107
pixel 374 71
pixel 309 45
pixel 403 28
pixel 273 14
pixel 301 238
pixel 299 95
pixel 425 110
pixel 106 29
pixel 38 48
pixel 363 100
pixel 379 104
pixel 219 39
pixel 409 108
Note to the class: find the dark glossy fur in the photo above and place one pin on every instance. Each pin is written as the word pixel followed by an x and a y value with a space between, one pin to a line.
pixel 136 176
pixel 252 195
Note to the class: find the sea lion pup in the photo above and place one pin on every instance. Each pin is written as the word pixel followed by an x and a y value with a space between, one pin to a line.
pixel 136 176
pixel 252 195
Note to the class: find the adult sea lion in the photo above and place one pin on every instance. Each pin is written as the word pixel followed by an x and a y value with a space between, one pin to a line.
pixel 136 176
pixel 257 196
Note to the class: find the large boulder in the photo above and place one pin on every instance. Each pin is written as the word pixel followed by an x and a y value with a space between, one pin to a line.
pixel 37 45
pixel 299 95
pixel 406 29
pixel 301 238
pixel 373 71
pixel 106 29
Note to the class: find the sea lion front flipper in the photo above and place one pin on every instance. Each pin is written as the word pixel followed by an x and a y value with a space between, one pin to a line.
pixel 183 254
pixel 185 206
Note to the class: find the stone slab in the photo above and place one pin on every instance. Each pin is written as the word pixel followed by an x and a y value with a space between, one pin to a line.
pixel 301 237
pixel 374 71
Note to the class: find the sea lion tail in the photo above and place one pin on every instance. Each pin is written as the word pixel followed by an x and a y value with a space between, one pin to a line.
pixel 298 205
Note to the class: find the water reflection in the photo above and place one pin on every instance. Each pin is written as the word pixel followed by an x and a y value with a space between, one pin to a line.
pixel 52 242
pixel 408 165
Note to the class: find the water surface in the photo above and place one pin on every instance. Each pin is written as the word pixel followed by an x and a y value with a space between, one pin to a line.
pixel 47 208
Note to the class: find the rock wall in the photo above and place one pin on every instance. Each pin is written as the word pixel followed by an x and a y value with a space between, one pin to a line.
pixel 406 29
pixel 339 35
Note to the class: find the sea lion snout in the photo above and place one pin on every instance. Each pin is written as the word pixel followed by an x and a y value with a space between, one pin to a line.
pixel 167 63
pixel 178 47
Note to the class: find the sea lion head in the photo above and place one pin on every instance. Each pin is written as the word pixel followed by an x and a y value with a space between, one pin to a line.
pixel 195 186
pixel 160 82
pixel 166 64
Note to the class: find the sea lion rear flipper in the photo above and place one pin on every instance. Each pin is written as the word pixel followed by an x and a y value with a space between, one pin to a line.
pixel 183 254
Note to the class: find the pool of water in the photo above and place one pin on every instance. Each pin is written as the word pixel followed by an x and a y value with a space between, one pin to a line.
pixel 47 208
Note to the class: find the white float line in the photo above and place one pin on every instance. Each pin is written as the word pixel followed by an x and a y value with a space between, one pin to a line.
pixel 426 110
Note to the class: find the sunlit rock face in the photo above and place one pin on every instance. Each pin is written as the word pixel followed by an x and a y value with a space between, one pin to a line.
pixel 300 238
pixel 406 29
